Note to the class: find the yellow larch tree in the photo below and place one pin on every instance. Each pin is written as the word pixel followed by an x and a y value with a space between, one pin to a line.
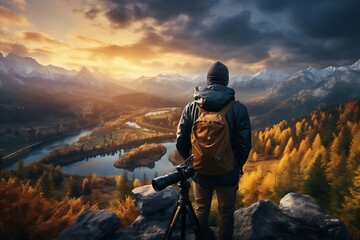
pixel 352 202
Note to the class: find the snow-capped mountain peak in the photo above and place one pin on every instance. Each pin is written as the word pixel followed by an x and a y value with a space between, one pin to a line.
pixel 273 75
pixel 355 66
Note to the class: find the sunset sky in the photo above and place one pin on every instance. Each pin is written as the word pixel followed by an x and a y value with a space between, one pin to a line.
pixel 130 38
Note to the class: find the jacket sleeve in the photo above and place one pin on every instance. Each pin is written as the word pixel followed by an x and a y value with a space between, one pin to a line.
pixel 243 135
pixel 183 142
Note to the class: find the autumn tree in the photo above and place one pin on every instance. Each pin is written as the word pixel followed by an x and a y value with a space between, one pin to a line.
pixel 354 152
pixel 74 188
pixel 86 187
pixel 20 170
pixel 122 185
pixel 45 184
pixel 137 183
pixel 317 184
pixel 337 172
pixel 352 202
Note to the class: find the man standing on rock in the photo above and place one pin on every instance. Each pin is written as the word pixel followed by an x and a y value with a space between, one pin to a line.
pixel 194 138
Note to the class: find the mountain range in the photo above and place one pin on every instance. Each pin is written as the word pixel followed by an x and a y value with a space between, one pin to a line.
pixel 270 95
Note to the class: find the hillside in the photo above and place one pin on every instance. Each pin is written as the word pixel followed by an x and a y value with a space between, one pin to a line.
pixel 146 100
pixel 317 154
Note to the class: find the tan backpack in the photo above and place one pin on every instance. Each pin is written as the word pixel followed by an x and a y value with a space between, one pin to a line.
pixel 210 141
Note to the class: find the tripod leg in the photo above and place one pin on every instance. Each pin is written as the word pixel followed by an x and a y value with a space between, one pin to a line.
pixel 194 222
pixel 173 221
pixel 183 222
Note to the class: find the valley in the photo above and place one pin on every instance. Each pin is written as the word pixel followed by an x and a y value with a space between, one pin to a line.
pixel 305 127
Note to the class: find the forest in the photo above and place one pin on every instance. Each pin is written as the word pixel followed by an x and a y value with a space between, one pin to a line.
pixel 142 156
pixel 318 154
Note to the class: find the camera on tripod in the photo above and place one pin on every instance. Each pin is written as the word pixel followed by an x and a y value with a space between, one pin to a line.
pixel 182 172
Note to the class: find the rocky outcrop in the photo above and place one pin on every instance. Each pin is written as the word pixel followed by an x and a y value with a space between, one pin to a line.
pixel 92 225
pixel 155 210
pixel 297 217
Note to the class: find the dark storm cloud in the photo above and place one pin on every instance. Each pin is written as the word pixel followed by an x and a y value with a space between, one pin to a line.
pixel 123 12
pixel 234 31
pixel 307 32
pixel 322 31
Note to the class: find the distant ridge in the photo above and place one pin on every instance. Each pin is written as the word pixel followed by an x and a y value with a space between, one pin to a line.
pixel 146 100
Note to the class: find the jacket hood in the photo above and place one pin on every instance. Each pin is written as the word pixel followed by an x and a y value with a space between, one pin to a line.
pixel 218 73
pixel 213 97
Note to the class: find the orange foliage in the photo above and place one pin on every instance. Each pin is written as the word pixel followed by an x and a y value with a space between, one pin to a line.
pixel 125 210
pixel 26 214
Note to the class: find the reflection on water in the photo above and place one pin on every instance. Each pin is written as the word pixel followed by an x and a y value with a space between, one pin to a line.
pixel 103 166
pixel 37 154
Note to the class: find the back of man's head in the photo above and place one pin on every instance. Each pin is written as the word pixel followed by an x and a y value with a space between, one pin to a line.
pixel 218 73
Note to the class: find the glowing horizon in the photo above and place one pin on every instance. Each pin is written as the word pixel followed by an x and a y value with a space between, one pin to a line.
pixel 127 39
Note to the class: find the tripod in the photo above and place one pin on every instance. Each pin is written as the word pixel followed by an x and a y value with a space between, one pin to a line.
pixel 183 207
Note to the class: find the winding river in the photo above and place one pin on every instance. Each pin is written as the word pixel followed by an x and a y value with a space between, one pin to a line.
pixel 100 165
pixel 103 166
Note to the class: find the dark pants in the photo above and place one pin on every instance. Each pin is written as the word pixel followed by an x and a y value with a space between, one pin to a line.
pixel 226 200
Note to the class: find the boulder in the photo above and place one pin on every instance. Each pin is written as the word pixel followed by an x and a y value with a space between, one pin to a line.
pixel 92 225
pixel 298 217
pixel 306 209
pixel 155 210
pixel 149 202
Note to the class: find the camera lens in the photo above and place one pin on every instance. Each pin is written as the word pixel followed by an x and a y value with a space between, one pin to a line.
pixel 162 182
pixel 181 173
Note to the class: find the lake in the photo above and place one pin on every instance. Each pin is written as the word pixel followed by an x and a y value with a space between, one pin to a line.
pixel 103 166
pixel 100 165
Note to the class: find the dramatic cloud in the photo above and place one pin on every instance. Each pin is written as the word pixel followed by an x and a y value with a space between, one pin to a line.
pixel 316 33
pixel 184 35
pixel 124 12
pixel 9 17
pixel 40 37
pixel 15 48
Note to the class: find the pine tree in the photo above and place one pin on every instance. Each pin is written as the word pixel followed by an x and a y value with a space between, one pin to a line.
pixel 317 184
pixel 122 185
pixel 20 170
pixel 74 188
pixel 58 175
pixel 45 184
pixel 316 144
pixel 354 152
pixel 268 147
pixel 289 146
pixel 352 202
pixel 145 178
pixel 86 187
pixel 338 173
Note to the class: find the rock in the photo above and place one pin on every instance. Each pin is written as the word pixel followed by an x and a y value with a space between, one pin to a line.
pixel 300 206
pixel 298 217
pixel 306 209
pixel 155 210
pixel 148 201
pixel 92 225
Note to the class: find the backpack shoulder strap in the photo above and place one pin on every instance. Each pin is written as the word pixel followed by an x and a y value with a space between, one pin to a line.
pixel 226 107
pixel 201 110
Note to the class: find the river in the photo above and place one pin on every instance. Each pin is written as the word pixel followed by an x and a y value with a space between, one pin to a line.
pixel 41 152
pixel 99 165
pixel 103 166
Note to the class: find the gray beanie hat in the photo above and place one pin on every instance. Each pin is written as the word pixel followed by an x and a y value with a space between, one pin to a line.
pixel 218 73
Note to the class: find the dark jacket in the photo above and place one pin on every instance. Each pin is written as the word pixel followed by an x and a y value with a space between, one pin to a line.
pixel 213 98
